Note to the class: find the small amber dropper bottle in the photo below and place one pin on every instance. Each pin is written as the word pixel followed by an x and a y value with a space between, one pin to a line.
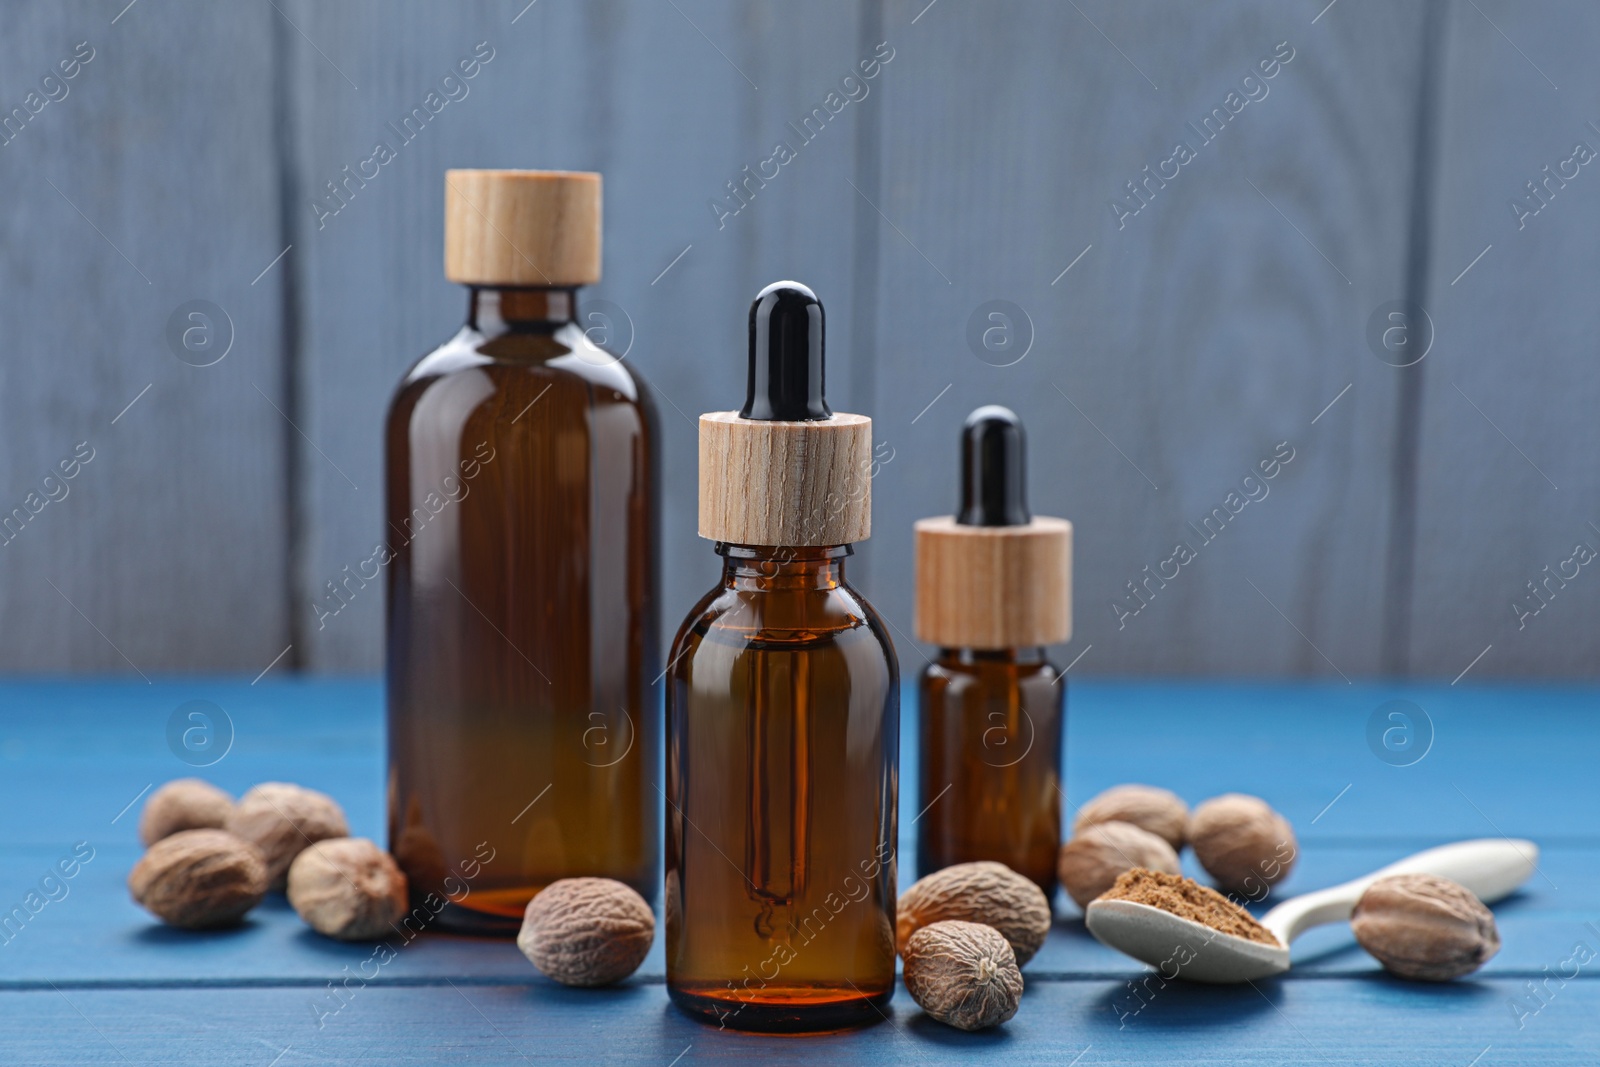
pixel 994 587
pixel 783 714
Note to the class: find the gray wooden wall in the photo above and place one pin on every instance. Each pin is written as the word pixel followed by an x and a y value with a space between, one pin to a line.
pixel 1168 351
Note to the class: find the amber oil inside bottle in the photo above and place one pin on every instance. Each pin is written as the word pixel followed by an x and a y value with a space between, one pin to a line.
pixel 991 762
pixel 783 729
pixel 522 637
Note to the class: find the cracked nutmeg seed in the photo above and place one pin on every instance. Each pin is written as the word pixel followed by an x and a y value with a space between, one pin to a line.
pixel 963 974
pixel 1426 927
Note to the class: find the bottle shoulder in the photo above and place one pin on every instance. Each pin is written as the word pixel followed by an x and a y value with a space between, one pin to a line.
pixel 785 619
pixel 948 673
pixel 471 369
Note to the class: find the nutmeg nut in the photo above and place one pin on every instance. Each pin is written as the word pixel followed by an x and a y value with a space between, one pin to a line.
pixel 1160 811
pixel 1426 927
pixel 347 888
pixel 982 892
pixel 963 974
pixel 183 804
pixel 1242 843
pixel 1091 862
pixel 282 820
pixel 199 879
pixel 587 931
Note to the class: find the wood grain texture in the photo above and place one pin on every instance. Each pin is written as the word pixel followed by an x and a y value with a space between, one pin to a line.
pixel 1507 481
pixel 90 972
pixel 150 182
pixel 521 227
pixel 993 587
pixel 796 484
pixel 1497 759
pixel 627 88
pixel 1355 1022
pixel 1172 350
pixel 1172 356
pixel 99 936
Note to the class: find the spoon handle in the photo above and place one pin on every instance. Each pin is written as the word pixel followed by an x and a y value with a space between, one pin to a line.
pixel 1492 868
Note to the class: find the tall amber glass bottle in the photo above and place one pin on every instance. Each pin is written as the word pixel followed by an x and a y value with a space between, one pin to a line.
pixel 783 713
pixel 522 629
pixel 994 586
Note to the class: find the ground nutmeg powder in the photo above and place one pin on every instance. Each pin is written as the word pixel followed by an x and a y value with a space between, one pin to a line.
pixel 1188 899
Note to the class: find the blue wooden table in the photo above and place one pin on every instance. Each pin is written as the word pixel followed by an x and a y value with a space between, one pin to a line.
pixel 87 976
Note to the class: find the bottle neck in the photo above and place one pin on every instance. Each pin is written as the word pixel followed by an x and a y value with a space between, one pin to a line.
pixel 766 568
pixel 973 657
pixel 493 310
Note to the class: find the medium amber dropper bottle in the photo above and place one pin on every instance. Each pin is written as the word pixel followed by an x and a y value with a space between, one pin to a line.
pixel 521 550
pixel 994 586
pixel 783 714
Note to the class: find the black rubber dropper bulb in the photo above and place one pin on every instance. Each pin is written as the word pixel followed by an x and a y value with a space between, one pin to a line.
pixel 994 490
pixel 786 356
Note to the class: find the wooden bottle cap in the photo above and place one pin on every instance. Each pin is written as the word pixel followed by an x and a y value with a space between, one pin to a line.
pixel 795 484
pixel 993 587
pixel 522 227
pixel 786 470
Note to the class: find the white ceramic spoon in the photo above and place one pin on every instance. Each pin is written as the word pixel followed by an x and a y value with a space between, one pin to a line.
pixel 1492 868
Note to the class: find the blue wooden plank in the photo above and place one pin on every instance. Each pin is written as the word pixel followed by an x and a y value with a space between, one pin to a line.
pixel 1500 758
pixel 1337 1021
pixel 76 755
pixel 96 934
pixel 1488 760
pixel 91 973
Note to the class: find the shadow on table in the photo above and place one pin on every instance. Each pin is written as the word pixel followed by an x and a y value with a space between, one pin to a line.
pixel 1347 952
pixel 336 950
pixel 276 903
pixel 1451 995
pixel 1191 1006
pixel 927 1028
pixel 902 1018
pixel 161 934
pixel 1145 1000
